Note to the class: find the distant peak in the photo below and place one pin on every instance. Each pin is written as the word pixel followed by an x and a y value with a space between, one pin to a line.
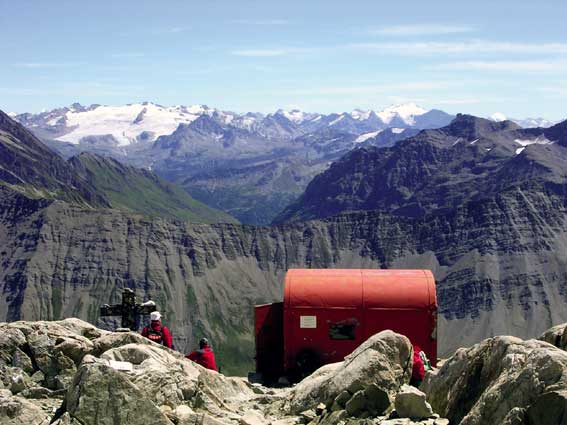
pixel 498 117
pixel 77 107
pixel 294 115
pixel 558 132
pixel 406 111
pixel 406 108
pixel 465 125
pixel 197 109
pixel 205 122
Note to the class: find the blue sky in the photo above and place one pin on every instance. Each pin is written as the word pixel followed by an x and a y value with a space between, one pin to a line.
pixel 327 56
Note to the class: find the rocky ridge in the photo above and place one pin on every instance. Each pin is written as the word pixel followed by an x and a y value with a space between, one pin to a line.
pixel 140 191
pixel 71 373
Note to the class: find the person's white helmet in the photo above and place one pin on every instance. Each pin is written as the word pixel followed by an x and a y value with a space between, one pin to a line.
pixel 155 315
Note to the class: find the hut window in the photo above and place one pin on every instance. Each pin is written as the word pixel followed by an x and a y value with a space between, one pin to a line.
pixel 341 331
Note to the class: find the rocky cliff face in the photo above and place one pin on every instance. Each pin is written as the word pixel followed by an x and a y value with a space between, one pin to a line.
pixel 499 264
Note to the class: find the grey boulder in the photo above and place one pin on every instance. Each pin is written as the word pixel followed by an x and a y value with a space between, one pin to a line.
pixel 491 382
pixel 411 403
pixel 384 360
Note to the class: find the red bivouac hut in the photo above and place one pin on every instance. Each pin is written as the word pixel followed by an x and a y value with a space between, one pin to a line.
pixel 327 313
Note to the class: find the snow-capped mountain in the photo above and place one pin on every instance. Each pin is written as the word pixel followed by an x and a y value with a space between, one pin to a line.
pixel 498 117
pixel 297 116
pixel 406 112
pixel 125 124
pixel 120 126
pixel 534 122
pixel 525 123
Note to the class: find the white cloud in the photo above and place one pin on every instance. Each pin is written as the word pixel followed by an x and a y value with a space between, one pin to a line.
pixel 421 48
pixel 40 65
pixel 462 47
pixel 507 66
pixel 74 89
pixel 472 100
pixel 424 29
pixel 261 53
pixel 172 30
pixel 368 89
pixel 555 91
pixel 261 22
pixel 128 55
pixel 21 91
pixel 398 100
pixel 292 106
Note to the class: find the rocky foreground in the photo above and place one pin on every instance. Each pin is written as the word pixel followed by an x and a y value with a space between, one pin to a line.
pixel 70 372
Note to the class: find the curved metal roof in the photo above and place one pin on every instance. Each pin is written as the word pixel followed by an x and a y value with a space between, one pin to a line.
pixel 359 288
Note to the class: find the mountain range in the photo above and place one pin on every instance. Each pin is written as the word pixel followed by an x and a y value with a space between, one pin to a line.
pixel 249 165
pixel 145 122
pixel 436 170
pixel 480 203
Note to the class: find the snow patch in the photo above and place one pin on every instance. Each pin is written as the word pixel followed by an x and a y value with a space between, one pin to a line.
pixel 360 115
pixel 366 136
pixel 534 122
pixel 196 109
pixel 398 130
pixel 119 121
pixel 336 120
pixel 295 115
pixel 407 112
pixel 498 117
pixel 53 122
pixel 474 141
pixel 537 141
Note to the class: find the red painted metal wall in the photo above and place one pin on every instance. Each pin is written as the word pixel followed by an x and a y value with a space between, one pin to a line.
pixel 327 313
pixel 269 340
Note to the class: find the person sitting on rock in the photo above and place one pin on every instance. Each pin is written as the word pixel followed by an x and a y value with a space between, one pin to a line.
pixel 156 332
pixel 204 355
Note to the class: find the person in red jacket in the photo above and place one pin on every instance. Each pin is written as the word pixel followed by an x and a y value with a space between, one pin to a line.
pixel 156 332
pixel 420 365
pixel 204 355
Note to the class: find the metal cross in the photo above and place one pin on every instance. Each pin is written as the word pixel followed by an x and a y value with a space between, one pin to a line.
pixel 129 309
